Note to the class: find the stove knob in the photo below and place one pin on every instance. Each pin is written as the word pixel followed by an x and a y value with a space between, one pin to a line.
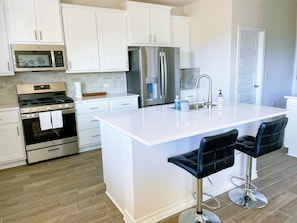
pixel 28 116
pixel 48 107
pixel 60 106
pixel 34 109
pixel 66 105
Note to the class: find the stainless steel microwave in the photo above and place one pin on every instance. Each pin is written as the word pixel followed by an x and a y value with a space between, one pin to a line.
pixel 31 57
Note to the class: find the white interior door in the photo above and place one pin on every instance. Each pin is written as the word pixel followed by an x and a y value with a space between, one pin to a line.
pixel 250 59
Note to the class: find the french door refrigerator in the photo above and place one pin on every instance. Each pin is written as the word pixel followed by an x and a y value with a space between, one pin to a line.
pixel 154 74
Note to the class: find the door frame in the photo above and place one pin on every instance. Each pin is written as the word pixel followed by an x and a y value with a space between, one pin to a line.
pixel 260 62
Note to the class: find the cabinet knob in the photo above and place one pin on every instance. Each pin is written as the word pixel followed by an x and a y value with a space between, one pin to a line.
pixel 8 66
pixel 256 86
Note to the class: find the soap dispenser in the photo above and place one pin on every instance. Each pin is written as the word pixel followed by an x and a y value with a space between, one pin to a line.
pixel 220 99
pixel 177 102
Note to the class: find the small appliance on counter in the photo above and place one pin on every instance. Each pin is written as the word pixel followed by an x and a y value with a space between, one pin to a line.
pixel 154 74
pixel 48 118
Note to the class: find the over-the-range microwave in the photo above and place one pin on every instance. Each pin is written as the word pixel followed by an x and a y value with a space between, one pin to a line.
pixel 31 57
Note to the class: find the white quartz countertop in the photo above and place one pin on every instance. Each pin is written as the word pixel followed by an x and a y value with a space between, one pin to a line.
pixel 160 124
pixel 7 107
pixel 294 97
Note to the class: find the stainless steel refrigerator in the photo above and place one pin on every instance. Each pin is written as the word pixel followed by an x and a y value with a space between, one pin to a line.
pixel 154 74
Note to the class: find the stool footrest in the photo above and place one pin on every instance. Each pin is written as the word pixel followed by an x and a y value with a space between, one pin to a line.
pixel 212 197
pixel 254 187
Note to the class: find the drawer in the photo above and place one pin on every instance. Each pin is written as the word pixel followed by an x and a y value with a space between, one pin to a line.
pixel 87 121
pixel 98 106
pixel 9 117
pixel 89 136
pixel 123 104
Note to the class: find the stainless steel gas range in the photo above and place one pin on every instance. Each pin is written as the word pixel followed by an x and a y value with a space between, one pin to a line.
pixel 48 118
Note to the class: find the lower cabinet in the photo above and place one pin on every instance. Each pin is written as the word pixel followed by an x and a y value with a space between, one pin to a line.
pixel 12 152
pixel 88 128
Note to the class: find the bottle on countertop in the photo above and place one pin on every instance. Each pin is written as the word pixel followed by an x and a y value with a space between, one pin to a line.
pixel 220 99
pixel 185 105
pixel 177 102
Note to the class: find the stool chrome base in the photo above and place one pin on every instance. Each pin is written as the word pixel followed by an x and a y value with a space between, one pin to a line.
pixel 247 198
pixel 190 216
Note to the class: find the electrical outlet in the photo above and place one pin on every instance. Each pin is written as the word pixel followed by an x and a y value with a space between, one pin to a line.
pixel 105 85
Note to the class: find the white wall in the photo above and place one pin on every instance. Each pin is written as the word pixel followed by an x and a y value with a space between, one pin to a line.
pixel 210 38
pixel 214 39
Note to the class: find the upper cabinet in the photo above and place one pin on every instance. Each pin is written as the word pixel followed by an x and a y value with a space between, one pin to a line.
pixel 35 21
pixel 148 24
pixel 5 59
pixel 180 38
pixel 80 38
pixel 95 39
pixel 112 37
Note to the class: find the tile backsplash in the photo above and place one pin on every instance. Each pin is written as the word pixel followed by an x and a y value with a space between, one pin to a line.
pixel 188 78
pixel 112 83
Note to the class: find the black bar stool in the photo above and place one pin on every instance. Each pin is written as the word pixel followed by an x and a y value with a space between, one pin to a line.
pixel 270 137
pixel 214 154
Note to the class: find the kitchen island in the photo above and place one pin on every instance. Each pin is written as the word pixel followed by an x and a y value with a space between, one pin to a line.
pixel 137 143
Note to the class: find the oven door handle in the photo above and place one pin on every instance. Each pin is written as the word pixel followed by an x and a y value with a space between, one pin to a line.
pixel 36 115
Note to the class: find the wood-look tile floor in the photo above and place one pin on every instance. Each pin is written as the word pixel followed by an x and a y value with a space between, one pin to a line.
pixel 71 190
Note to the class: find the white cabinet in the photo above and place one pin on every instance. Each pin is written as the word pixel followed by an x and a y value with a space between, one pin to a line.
pixel 180 38
pixel 35 21
pixel 123 104
pixel 11 138
pixel 290 134
pixel 80 39
pixel 95 39
pixel 5 58
pixel 148 24
pixel 88 128
pixel 112 36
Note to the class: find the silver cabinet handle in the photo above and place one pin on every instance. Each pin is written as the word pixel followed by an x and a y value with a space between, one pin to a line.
pixel 40 34
pixel 94 120
pixel 69 64
pixel 18 131
pixel 256 86
pixel 94 108
pixel 124 104
pixel 35 33
pixel 8 66
pixel 96 136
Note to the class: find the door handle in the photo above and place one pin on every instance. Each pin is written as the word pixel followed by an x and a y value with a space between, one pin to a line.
pixel 256 86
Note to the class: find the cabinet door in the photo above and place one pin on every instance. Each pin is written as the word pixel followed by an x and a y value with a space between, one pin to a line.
pixel 80 39
pixel 35 20
pixel 22 20
pixel 49 21
pixel 123 104
pixel 5 59
pixel 180 38
pixel 160 26
pixel 11 143
pixel 138 25
pixel 112 37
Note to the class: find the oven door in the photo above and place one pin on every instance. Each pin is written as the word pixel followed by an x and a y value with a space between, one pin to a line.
pixel 36 138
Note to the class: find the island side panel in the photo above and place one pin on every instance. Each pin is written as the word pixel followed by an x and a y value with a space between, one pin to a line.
pixel 144 186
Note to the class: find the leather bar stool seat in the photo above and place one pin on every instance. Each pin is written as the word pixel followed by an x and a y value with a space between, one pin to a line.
pixel 270 137
pixel 214 154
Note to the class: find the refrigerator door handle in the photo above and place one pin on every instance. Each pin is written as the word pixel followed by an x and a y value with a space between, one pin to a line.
pixel 165 75
pixel 162 74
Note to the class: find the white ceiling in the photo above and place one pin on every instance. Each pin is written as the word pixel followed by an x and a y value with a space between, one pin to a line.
pixel 118 3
